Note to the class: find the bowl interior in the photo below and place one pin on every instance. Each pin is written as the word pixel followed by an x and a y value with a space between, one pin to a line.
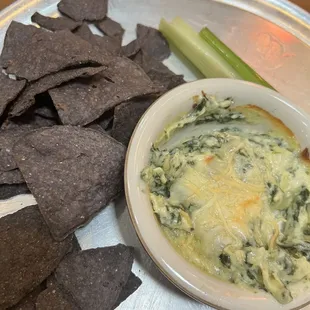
pixel 187 277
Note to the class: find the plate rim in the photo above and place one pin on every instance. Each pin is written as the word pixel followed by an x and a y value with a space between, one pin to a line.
pixel 297 19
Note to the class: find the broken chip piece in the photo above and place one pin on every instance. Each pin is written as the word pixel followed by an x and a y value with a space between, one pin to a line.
pixel 72 172
pixel 111 28
pixel 54 24
pixel 80 10
pixel 152 42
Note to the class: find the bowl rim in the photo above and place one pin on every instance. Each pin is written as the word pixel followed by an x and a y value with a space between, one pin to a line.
pixel 269 91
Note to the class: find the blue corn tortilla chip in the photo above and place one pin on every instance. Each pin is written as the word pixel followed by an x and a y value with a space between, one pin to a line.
pixel 27 97
pixel 40 52
pixel 16 38
pixel 54 298
pixel 105 45
pixel 100 274
pixel 7 140
pixel 111 28
pixel 152 42
pixel 9 90
pixel 54 24
pixel 79 10
pixel 131 49
pixel 25 234
pixel 51 281
pixel 83 101
pixel 72 172
pixel 126 117
pixel 158 72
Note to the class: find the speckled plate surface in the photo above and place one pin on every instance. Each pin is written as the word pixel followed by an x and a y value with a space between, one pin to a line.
pixel 275 41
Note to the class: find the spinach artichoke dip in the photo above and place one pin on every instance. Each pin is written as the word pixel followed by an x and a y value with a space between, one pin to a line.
pixel 234 198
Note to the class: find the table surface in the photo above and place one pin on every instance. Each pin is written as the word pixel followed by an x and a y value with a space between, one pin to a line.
pixel 305 4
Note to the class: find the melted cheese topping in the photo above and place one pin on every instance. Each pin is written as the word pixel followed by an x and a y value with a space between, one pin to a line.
pixel 235 202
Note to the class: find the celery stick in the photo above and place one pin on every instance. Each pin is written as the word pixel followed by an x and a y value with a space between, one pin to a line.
pixel 244 70
pixel 204 57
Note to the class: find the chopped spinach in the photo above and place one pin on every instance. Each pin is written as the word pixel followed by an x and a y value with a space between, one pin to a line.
pixel 202 104
pixel 303 196
pixel 243 152
pixel 225 260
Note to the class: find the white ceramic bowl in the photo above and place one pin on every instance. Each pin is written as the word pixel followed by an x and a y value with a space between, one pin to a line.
pixel 185 276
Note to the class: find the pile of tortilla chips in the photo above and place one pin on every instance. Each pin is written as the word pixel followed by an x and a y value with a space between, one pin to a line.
pixel 69 102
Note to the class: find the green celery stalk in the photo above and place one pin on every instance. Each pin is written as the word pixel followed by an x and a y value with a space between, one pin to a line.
pixel 244 70
pixel 201 54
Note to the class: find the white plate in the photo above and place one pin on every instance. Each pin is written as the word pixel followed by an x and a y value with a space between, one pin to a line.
pixel 187 277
